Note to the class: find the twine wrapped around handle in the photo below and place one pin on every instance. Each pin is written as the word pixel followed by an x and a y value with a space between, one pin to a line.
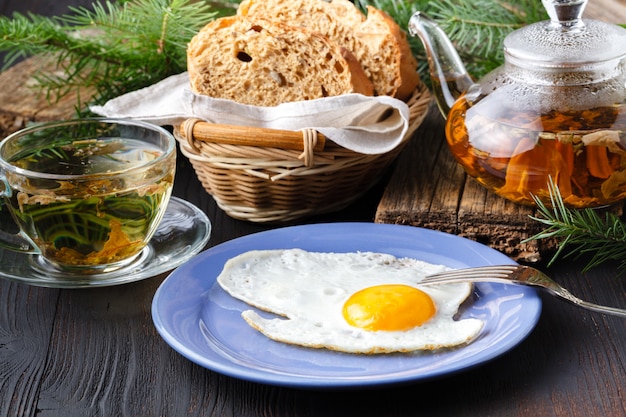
pixel 248 136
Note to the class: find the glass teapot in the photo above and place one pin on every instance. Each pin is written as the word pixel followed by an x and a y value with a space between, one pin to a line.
pixel 555 111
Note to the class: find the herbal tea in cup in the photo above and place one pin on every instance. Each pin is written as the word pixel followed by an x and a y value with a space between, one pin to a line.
pixel 87 194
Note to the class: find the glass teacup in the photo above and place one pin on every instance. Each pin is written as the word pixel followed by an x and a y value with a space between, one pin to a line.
pixel 87 194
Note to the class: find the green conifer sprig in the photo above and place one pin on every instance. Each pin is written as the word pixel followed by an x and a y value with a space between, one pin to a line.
pixel 476 27
pixel 113 47
pixel 582 232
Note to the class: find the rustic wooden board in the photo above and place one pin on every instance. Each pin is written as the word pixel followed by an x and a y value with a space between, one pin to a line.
pixel 21 102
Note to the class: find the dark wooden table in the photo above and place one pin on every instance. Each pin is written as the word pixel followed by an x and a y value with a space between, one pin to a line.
pixel 95 352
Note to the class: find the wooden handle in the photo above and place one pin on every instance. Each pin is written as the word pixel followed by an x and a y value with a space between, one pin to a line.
pixel 251 136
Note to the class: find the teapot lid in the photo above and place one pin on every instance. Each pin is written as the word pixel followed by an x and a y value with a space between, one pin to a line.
pixel 566 40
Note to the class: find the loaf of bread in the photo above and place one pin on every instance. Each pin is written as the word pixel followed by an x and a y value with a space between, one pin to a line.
pixel 376 40
pixel 262 62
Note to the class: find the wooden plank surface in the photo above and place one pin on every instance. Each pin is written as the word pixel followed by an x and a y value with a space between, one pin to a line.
pixel 429 189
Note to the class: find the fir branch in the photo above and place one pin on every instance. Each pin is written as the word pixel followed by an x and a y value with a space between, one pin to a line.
pixel 113 47
pixel 582 232
pixel 476 27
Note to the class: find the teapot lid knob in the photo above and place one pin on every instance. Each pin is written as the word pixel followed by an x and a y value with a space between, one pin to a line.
pixel 566 40
pixel 565 13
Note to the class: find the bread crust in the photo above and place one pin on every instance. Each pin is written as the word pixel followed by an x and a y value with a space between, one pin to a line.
pixel 406 63
pixel 376 40
pixel 264 62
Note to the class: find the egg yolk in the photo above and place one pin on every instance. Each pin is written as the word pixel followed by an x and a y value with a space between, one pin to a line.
pixel 393 307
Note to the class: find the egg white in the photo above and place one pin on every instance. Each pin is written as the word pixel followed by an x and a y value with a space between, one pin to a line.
pixel 309 289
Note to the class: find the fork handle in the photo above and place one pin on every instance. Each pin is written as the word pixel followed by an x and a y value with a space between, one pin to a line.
pixel 565 295
pixel 598 308
pixel 568 296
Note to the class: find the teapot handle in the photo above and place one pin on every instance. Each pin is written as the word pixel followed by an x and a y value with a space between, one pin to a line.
pixel 17 242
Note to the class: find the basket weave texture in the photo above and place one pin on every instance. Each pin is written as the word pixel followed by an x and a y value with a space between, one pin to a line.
pixel 272 185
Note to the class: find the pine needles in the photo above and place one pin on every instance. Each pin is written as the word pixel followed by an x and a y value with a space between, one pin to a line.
pixel 113 48
pixel 582 232
pixel 479 27
pixel 476 27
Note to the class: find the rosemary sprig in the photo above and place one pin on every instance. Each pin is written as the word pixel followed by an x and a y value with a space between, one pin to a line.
pixel 582 232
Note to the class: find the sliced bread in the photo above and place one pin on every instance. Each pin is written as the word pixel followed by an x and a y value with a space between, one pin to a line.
pixel 262 62
pixel 376 40
pixel 397 67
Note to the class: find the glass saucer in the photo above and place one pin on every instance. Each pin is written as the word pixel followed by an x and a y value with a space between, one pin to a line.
pixel 183 232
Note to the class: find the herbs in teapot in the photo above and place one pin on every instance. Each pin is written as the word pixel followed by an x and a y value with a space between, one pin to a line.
pixel 515 153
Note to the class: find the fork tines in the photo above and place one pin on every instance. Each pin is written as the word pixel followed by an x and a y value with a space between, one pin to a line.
pixel 492 272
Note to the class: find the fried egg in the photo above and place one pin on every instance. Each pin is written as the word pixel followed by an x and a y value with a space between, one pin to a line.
pixel 359 302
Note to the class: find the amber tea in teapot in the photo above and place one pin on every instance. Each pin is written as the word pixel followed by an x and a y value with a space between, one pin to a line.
pixel 517 153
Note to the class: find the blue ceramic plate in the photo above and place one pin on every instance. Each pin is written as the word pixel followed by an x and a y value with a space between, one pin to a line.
pixel 203 323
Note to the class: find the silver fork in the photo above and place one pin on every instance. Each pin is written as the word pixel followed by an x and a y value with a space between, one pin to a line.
pixel 518 274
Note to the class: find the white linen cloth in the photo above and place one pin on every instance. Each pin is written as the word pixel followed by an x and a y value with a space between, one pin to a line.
pixel 368 125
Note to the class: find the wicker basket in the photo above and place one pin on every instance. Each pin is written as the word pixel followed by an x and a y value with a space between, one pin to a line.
pixel 274 184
